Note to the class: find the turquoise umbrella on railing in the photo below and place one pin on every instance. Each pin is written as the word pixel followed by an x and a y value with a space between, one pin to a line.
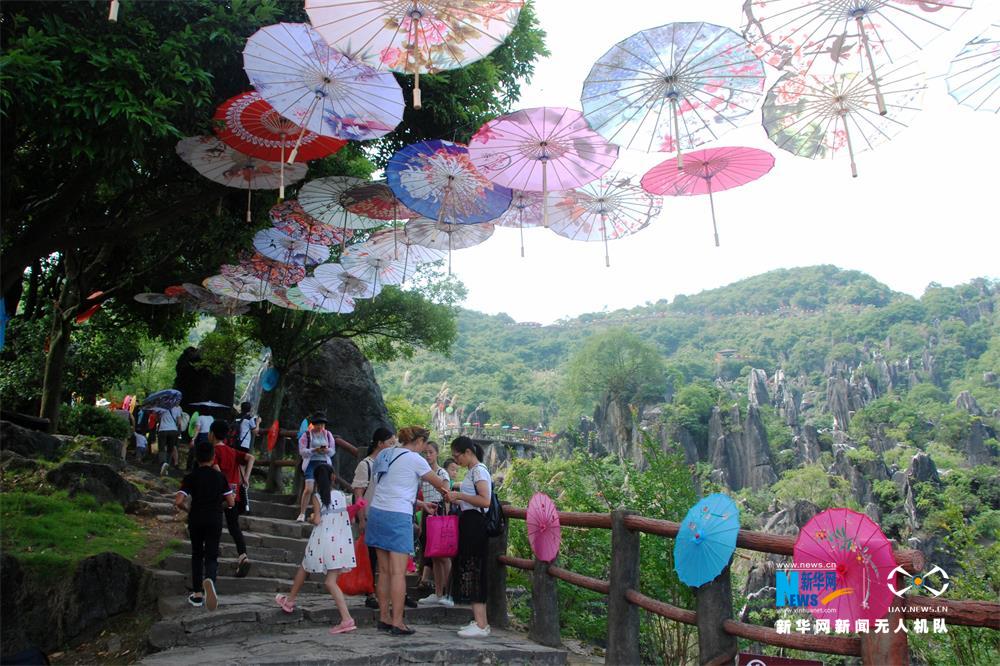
pixel 706 540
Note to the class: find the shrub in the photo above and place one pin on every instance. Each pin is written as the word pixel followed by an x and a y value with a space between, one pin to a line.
pixel 92 421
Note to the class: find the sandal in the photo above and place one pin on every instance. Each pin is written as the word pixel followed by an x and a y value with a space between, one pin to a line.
pixel 401 631
pixel 286 605
pixel 243 566
pixel 344 627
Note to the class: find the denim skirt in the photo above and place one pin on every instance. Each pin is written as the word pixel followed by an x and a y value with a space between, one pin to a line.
pixel 389 530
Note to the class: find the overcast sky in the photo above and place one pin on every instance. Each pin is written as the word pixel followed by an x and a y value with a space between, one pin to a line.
pixel 923 209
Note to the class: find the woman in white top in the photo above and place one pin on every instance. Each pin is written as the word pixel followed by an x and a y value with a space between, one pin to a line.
pixel 469 570
pixel 398 472
pixel 441 565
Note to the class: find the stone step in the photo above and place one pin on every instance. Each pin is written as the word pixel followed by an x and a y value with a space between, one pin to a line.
pixel 276 527
pixel 227 550
pixel 262 509
pixel 170 581
pixel 270 541
pixel 181 563
pixel 277 498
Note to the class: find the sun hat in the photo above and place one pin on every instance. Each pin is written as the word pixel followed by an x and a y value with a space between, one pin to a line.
pixel 318 417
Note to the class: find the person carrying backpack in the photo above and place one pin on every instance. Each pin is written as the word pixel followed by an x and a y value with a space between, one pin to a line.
pixel 468 572
pixel 245 428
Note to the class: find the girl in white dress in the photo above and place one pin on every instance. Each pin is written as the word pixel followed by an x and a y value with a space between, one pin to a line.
pixel 330 549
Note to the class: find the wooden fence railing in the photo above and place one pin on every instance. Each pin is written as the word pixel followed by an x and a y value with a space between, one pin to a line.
pixel 717 630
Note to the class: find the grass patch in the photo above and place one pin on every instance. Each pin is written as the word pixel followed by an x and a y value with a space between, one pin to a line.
pixel 50 533
pixel 168 549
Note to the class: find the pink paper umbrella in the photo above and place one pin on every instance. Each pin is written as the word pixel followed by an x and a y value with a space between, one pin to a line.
pixel 544 533
pixel 708 171
pixel 859 558
pixel 541 148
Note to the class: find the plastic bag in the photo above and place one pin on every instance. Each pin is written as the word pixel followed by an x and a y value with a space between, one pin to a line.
pixel 442 536
pixel 358 580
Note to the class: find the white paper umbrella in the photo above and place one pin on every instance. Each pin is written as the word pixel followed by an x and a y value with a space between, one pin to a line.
pixel 241 290
pixel 322 298
pixel 526 210
pixel 974 75
pixel 396 244
pixel 604 210
pixel 327 200
pixel 153 298
pixel 281 247
pixel 372 267
pixel 443 236
pixel 336 277
pixel 279 296
pixel 218 162
pixel 318 88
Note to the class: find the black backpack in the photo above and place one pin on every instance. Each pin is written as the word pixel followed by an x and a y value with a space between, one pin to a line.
pixel 496 519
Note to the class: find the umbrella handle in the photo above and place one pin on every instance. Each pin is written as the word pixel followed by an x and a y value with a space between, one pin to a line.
pixel 520 224
pixel 249 192
pixel 850 146
pixel 677 132
pixel 871 64
pixel 113 12
pixel 302 132
pixel 711 202
pixel 417 103
pixel 604 236
pixel 545 194
pixel 281 186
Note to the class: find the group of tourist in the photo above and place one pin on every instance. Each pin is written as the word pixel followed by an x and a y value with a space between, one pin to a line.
pixel 399 477
pixel 170 430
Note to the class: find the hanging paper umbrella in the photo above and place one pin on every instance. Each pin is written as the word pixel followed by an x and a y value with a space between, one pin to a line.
pixel 252 126
pixel 318 297
pixel 303 426
pixel 289 218
pixel 156 299
pixel 372 267
pixel 542 148
pixel 832 37
pixel 255 266
pixel 283 248
pixel 447 236
pixel 211 404
pixel 337 278
pixel 270 379
pixel 319 88
pixel 672 88
pixel 526 210
pixel 861 558
pixel 165 399
pixel 272 435
pixel 544 532
pixel 974 76
pixel 438 180
pixel 326 199
pixel 397 244
pixel 415 37
pixel 218 162
pixel 708 171
pixel 819 117
pixel 376 201
pixel 706 540
pixel 252 290
pixel 604 210
pixel 279 296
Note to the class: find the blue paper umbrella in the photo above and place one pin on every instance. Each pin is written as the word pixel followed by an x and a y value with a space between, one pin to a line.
pixel 706 540
pixel 438 180
pixel 303 427
pixel 270 379
pixel 166 399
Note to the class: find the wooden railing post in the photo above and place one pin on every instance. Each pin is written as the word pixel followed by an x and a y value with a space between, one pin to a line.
pixel 623 617
pixel 714 606
pixel 544 607
pixel 890 648
pixel 496 578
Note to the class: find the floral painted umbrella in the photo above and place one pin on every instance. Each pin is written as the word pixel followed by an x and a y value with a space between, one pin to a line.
pixel 397 244
pixel 279 296
pixel 289 218
pixel 326 199
pixel 415 36
pixel 438 180
pixel 673 88
pixel 542 148
pixel 377 202
pixel 255 266
pixel 610 208
pixel 339 279
pixel 708 171
pixel 373 267
pixel 312 294
pixel 288 250
pixel 236 288
pixel 526 210
pixel 974 77
pixel 153 298
pixel 252 126
pixel 217 161
pixel 544 532
pixel 438 236
pixel 819 117
pixel 320 89
pixel 859 558
pixel 831 37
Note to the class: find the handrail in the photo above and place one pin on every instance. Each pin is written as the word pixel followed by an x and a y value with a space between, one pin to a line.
pixel 812 642
pixel 968 612
pixel 661 608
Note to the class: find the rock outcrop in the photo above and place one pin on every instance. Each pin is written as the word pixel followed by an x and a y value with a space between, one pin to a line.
pixel 29 443
pixel 98 479
pixel 861 475
pixel 807 445
pixel 740 451
pixel 757 388
pixel 966 402
pixel 922 468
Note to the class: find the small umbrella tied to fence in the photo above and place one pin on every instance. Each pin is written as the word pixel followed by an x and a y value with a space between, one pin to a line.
pixel 706 540
pixel 544 532
pixel 708 171
pixel 415 37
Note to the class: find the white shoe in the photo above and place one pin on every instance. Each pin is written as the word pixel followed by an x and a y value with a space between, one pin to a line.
pixel 446 602
pixel 164 469
pixel 301 518
pixel 430 600
pixel 211 598
pixel 474 631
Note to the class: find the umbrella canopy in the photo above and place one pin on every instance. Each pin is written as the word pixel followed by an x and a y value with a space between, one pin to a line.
pixel 373 267
pixel 706 540
pixel 156 299
pixel 396 244
pixel 437 236
pixel 240 289
pixel 279 296
pixel 830 37
pixel 544 532
pixel 542 148
pixel 219 162
pixel 326 199
pixel 209 403
pixel 861 559
pixel 604 210
pixel 255 266
pixel 377 202
pixel 415 37
pixel 319 88
pixel 819 117
pixel 272 435
pixel 708 171
pixel 289 218
pixel 270 379
pixel 974 75
pixel 526 210
pixel 280 247
pixel 672 88
pixel 165 399
pixel 438 180
pixel 318 297
pixel 337 278
pixel 252 126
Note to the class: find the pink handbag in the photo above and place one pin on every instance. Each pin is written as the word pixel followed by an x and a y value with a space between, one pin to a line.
pixel 442 536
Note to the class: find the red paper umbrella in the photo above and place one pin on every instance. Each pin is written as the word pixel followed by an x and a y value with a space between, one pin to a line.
pixel 544 533
pixel 252 126
pixel 272 435
pixel 88 313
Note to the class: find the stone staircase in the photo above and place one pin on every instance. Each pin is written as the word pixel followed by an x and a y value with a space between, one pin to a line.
pixel 249 628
